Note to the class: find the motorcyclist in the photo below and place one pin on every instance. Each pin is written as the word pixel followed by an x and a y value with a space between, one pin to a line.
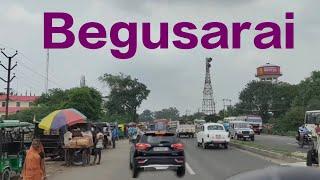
pixel 301 133
pixel 132 131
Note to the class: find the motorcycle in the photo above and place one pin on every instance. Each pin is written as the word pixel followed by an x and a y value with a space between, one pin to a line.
pixel 304 138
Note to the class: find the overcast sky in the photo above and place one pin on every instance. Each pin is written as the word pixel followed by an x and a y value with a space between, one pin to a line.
pixel 175 77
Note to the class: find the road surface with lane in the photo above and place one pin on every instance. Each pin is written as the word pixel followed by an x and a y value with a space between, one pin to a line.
pixel 202 164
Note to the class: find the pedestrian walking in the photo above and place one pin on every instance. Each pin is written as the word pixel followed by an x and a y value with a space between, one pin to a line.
pixel 114 136
pixel 34 167
pixel 98 147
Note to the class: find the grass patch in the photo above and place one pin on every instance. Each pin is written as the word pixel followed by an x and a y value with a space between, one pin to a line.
pixel 263 147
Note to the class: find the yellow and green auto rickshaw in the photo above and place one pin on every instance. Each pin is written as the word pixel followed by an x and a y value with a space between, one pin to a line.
pixel 121 128
pixel 12 147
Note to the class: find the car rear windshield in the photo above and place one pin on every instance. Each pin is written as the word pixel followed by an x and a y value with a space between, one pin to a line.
pixel 158 138
pixel 215 127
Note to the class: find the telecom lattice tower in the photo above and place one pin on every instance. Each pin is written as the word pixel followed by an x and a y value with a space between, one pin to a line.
pixel 208 104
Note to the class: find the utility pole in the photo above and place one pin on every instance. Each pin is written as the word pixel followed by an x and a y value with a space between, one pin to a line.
pixel 226 105
pixel 47 72
pixel 9 78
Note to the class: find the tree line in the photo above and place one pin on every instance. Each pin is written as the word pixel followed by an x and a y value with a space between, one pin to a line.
pixel 281 104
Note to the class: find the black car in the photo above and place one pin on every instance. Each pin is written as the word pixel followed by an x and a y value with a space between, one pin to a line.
pixel 157 151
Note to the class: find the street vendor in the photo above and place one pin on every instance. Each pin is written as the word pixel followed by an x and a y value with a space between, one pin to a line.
pixel 67 137
pixel 317 130
pixel 34 167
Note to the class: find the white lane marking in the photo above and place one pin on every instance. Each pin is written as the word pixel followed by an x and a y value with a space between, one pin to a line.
pixel 189 169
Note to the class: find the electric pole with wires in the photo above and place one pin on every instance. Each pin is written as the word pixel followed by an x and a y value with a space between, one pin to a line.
pixel 9 78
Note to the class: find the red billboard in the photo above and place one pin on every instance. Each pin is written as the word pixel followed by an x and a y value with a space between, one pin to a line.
pixel 268 70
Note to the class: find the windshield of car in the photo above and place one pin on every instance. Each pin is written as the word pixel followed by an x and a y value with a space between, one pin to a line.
pixel 215 127
pixel 254 120
pixel 313 117
pixel 241 125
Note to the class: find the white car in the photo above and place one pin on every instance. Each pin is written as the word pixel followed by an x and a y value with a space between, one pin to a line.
pixel 212 134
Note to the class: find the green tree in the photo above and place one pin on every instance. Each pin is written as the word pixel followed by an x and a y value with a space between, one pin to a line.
pixel 169 113
pixel 86 100
pixel 308 89
pixel 146 115
pixel 126 95
pixel 261 97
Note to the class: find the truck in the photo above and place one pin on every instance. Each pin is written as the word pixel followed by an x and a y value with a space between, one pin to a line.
pixel 311 119
pixel 186 130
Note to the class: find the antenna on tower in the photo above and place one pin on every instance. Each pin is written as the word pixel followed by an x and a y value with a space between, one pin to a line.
pixel 208 104
pixel 47 72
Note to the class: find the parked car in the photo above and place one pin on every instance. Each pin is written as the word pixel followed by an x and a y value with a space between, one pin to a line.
pixel 241 130
pixel 212 134
pixel 157 151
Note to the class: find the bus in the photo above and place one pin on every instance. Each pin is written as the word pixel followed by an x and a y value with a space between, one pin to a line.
pixel 311 119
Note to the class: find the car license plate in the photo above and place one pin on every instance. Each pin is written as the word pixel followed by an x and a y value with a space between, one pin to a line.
pixel 218 136
pixel 160 149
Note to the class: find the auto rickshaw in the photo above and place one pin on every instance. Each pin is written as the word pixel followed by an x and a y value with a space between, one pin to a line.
pixel 121 130
pixel 12 147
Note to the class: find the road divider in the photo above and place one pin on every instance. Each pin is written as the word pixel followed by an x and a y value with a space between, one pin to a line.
pixel 268 152
pixel 189 169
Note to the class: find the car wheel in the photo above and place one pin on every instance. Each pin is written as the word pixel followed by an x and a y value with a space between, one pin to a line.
pixel 198 144
pixel 204 146
pixel 6 175
pixel 309 158
pixel 225 146
pixel 181 171
pixel 135 172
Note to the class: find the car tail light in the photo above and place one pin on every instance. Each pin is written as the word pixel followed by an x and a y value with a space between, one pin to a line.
pixel 142 146
pixel 177 146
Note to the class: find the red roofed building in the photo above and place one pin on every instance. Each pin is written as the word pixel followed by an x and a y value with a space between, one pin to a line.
pixel 16 103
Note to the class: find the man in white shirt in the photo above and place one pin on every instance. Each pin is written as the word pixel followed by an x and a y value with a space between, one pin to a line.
pixel 67 138
pixel 98 147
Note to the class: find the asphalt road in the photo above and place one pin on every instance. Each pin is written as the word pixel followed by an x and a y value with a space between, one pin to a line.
pixel 280 142
pixel 208 164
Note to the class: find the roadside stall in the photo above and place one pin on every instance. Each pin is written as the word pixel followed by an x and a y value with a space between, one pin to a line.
pixel 12 147
pixel 77 136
